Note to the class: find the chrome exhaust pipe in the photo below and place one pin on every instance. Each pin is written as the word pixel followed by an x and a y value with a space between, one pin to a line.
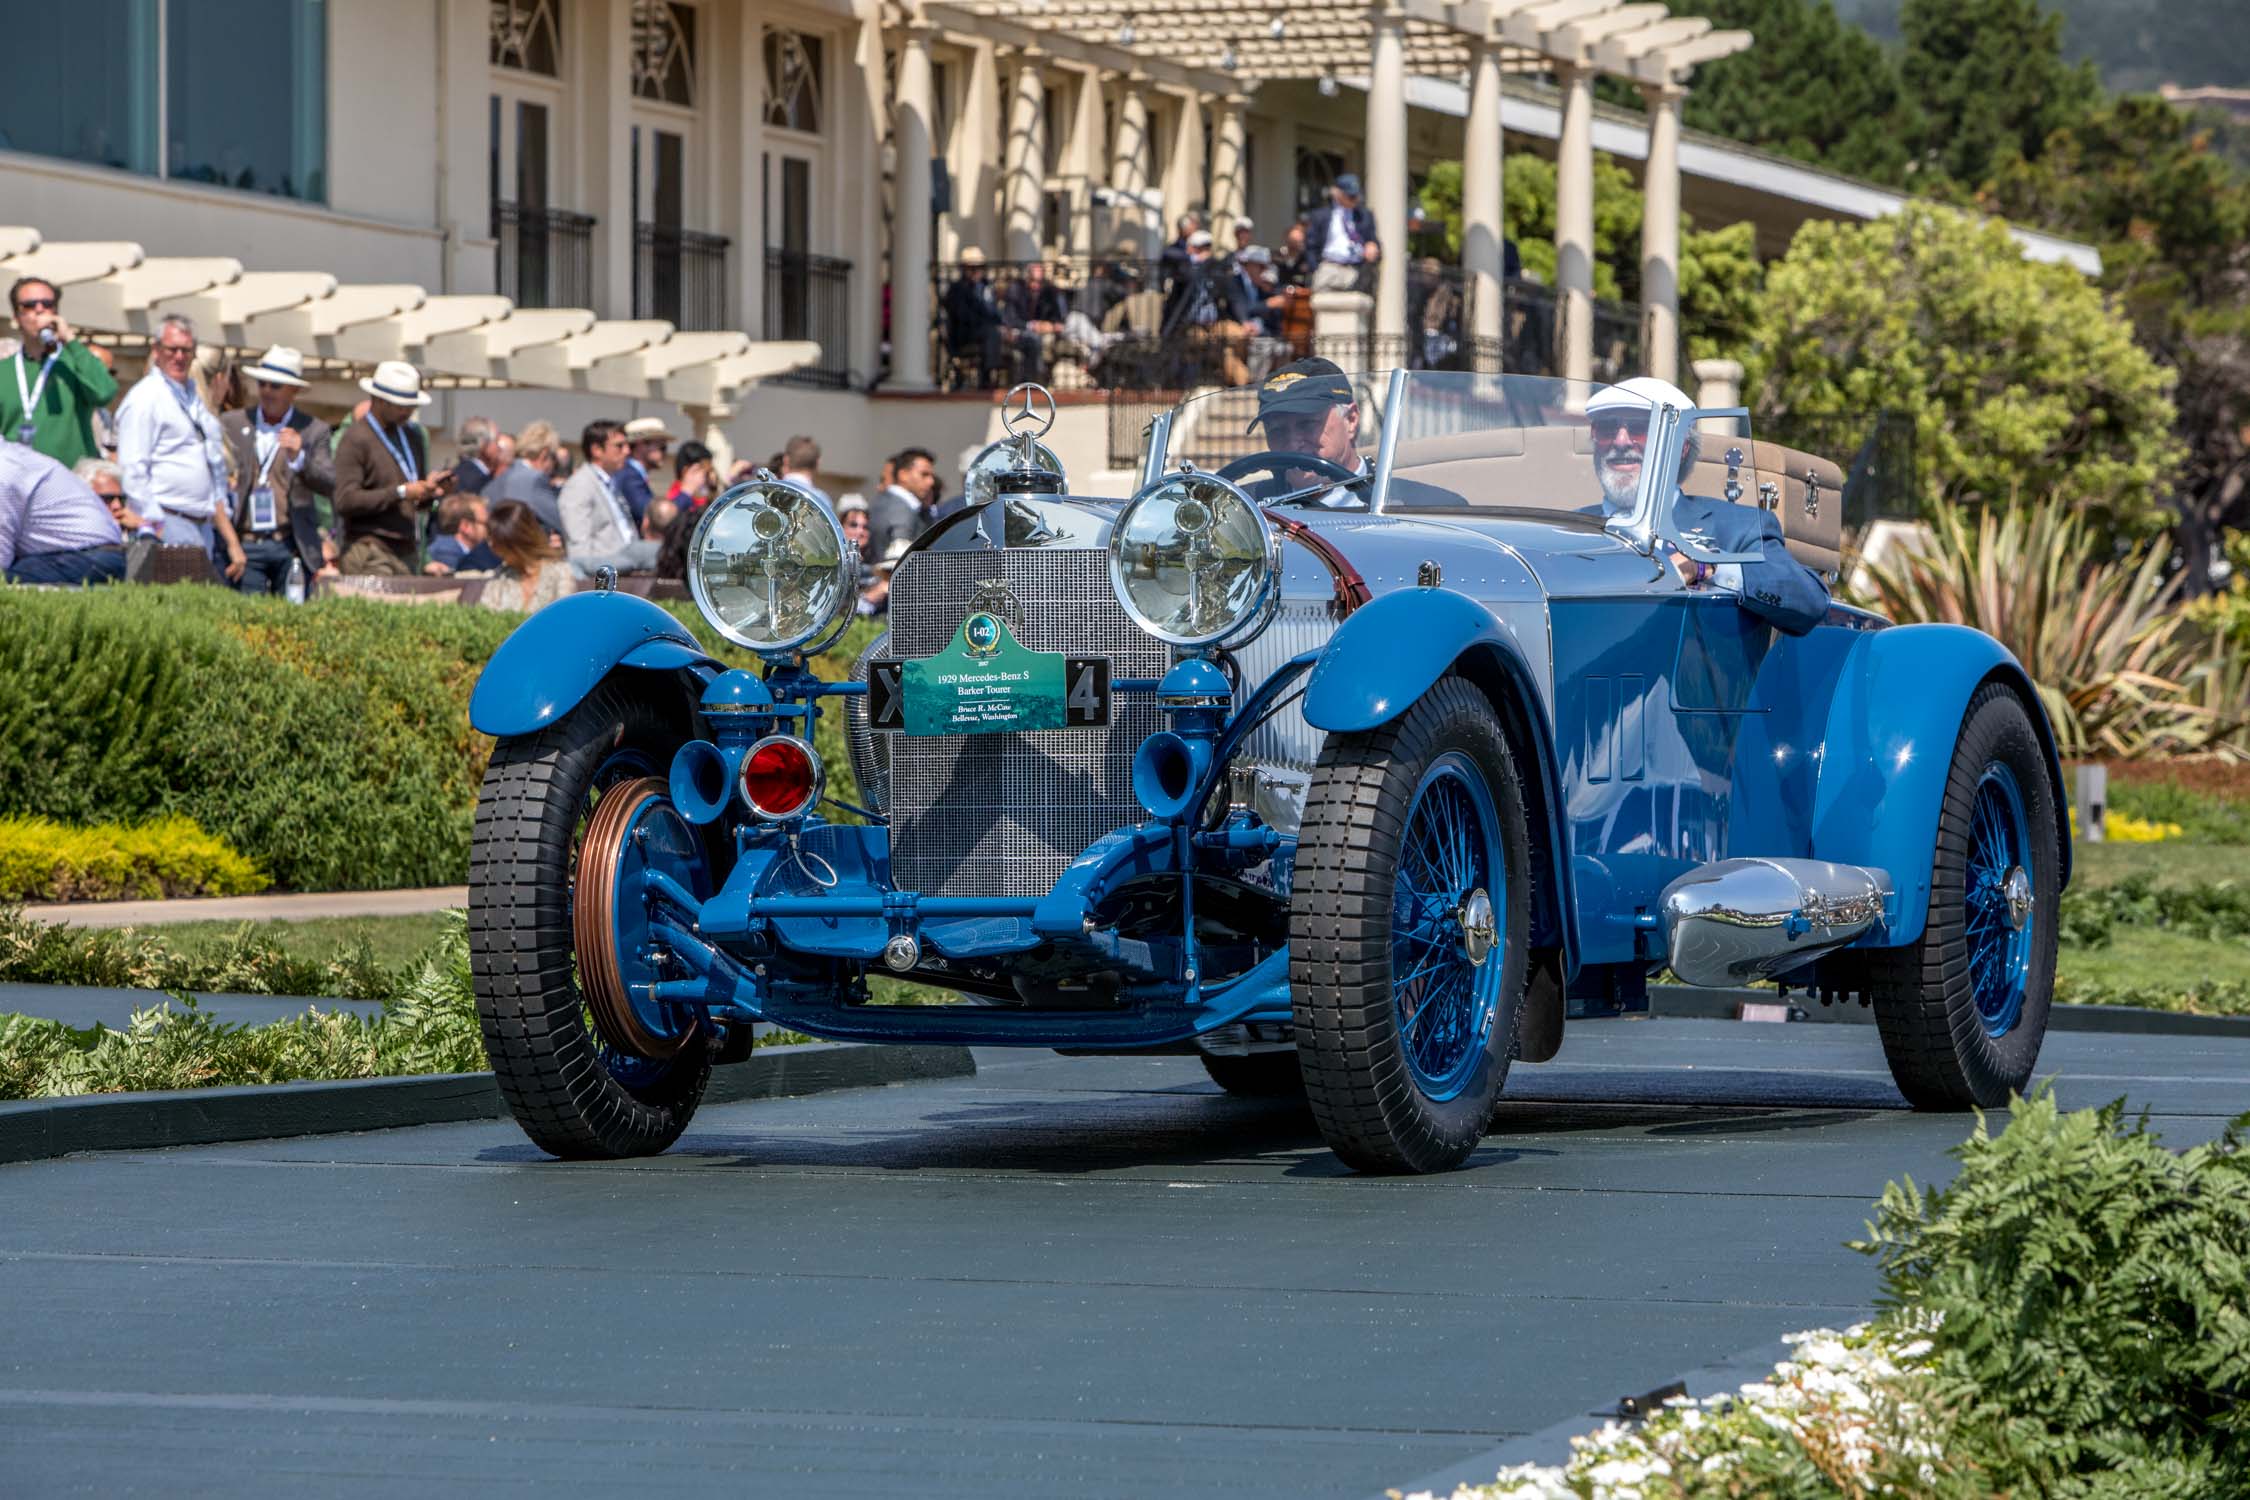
pixel 1739 920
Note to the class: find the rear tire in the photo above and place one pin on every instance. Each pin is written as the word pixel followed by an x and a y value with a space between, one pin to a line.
pixel 1257 1075
pixel 1963 1009
pixel 1404 1037
pixel 573 1093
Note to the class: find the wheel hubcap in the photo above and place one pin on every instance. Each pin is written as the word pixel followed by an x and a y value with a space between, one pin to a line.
pixel 2016 891
pixel 1480 930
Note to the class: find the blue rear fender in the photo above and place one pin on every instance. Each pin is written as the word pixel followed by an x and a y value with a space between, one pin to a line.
pixel 554 659
pixel 1901 697
pixel 1395 648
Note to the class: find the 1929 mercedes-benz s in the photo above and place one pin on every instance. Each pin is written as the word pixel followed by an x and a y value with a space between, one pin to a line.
pixel 1359 765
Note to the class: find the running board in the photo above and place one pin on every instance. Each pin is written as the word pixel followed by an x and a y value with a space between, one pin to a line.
pixel 1739 920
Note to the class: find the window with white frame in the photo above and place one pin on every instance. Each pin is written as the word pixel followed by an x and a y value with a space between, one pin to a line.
pixel 795 74
pixel 527 36
pixel 163 88
pixel 664 57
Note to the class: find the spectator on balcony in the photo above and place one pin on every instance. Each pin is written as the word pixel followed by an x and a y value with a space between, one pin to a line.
pixel 1202 310
pixel 1245 235
pixel 907 505
pixel 530 479
pixel 480 456
pixel 380 485
pixel 693 477
pixel 800 462
pixel 168 442
pixel 463 542
pixel 1034 312
pixel 1178 257
pixel 1341 238
pixel 53 528
pixel 1435 315
pixel 58 383
pixel 975 328
pixel 101 476
pixel 649 443
pixel 281 463
pixel 598 529
pixel 531 574
pixel 1292 266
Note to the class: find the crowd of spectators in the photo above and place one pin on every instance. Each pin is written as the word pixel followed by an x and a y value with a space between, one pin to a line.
pixel 205 455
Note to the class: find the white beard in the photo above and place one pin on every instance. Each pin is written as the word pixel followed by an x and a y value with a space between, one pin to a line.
pixel 1617 486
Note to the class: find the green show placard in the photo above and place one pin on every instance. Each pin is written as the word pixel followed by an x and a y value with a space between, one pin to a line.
pixel 984 682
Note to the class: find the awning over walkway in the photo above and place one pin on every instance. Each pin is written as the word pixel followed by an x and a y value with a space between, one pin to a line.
pixel 115 287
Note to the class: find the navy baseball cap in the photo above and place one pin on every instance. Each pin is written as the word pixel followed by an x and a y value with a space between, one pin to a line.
pixel 1348 184
pixel 1308 385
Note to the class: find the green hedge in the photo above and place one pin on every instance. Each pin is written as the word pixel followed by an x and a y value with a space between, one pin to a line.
pixel 328 742
pixel 41 860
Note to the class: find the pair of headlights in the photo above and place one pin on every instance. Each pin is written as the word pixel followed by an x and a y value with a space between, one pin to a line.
pixel 1191 558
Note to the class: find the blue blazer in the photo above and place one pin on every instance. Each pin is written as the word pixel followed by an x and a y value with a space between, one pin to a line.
pixel 634 490
pixel 1777 587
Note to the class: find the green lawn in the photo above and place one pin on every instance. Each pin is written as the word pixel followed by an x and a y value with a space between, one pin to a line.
pixel 2170 862
pixel 2142 956
pixel 395 940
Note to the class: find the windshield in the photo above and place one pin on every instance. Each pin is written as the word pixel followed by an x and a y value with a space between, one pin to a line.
pixel 1489 442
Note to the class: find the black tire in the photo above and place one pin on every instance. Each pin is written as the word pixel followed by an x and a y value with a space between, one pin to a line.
pixel 553 1069
pixel 1941 1053
pixel 1364 1094
pixel 1257 1075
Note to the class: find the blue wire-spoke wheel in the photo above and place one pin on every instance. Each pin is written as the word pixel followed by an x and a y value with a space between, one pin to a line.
pixel 634 831
pixel 1410 932
pixel 1447 895
pixel 2001 913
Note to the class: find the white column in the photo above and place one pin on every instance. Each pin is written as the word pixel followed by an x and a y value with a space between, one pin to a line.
pixel 976 177
pixel 1023 182
pixel 910 215
pixel 605 100
pixel 464 215
pixel 1574 223
pixel 1088 162
pixel 1228 166
pixel 1660 235
pixel 739 82
pixel 1128 160
pixel 1385 177
pixel 1184 187
pixel 1482 256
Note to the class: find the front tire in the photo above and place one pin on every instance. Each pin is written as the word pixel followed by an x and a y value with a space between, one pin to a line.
pixel 1407 988
pixel 575 1094
pixel 1963 1009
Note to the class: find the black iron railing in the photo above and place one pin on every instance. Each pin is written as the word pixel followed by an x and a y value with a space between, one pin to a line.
pixel 809 297
pixel 545 255
pixel 1071 323
pixel 680 275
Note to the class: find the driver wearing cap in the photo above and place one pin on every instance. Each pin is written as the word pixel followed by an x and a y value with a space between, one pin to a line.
pixel 1777 587
pixel 1309 409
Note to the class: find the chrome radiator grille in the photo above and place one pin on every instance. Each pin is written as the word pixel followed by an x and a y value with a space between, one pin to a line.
pixel 1003 814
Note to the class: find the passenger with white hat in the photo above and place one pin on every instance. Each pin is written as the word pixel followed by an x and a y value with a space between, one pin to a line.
pixel 383 476
pixel 1777 588
pixel 281 462
pixel 647 440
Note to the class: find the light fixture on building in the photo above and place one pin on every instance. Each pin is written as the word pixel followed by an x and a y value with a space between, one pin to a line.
pixel 1328 86
pixel 1126 34
pixel 1279 28
pixel 1228 60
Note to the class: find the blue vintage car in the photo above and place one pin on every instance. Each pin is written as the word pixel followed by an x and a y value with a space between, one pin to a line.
pixel 1448 713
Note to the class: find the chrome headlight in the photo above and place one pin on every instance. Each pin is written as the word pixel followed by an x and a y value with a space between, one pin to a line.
pixel 769 567
pixel 1193 560
pixel 998 458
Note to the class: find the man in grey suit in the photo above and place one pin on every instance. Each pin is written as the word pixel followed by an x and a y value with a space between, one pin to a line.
pixel 281 462
pixel 1776 588
pixel 906 506
pixel 598 529
pixel 529 480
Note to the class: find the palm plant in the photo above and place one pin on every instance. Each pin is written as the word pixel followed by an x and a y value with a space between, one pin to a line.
pixel 2122 672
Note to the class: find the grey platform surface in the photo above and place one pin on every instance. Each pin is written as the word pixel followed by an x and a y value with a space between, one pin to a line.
pixel 87 1005
pixel 1063 1278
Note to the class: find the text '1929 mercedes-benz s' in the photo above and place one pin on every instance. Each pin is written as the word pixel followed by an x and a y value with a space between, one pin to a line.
pixel 1447 715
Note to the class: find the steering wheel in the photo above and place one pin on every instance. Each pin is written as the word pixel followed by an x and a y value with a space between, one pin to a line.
pixel 1278 462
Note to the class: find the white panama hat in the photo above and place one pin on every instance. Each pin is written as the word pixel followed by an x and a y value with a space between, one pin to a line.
pixel 397 382
pixel 1641 391
pixel 280 365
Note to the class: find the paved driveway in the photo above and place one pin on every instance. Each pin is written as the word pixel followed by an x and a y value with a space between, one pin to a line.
pixel 1061 1278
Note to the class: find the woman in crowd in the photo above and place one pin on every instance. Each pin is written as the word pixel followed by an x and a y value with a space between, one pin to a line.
pixel 533 573
pixel 219 382
pixel 693 485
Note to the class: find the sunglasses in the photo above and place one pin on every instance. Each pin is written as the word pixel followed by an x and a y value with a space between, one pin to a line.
pixel 1609 427
pixel 180 349
pixel 38 304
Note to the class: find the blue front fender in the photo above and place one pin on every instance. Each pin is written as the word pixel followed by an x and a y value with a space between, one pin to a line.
pixel 1900 701
pixel 555 658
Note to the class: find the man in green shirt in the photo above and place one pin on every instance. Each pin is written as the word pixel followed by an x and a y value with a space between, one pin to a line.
pixel 51 389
